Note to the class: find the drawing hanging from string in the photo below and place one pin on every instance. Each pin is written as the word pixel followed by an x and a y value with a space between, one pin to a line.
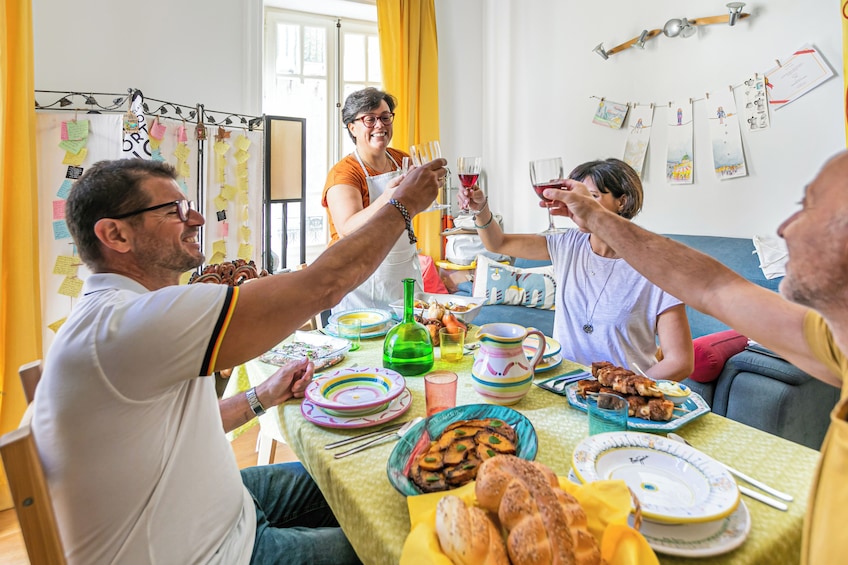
pixel 755 113
pixel 641 119
pixel 610 114
pixel 725 137
pixel 679 153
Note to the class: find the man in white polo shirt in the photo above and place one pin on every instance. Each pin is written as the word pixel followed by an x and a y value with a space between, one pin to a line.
pixel 126 417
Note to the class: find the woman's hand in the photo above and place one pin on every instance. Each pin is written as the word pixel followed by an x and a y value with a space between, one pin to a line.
pixel 471 198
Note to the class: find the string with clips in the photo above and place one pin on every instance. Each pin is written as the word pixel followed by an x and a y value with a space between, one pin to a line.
pixel 706 96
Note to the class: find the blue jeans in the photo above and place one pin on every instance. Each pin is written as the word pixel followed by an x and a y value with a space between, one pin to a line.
pixel 294 524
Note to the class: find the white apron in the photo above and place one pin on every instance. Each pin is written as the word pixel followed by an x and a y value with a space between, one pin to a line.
pixel 385 285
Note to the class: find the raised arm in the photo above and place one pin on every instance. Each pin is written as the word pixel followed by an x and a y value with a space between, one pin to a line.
pixel 270 308
pixel 698 280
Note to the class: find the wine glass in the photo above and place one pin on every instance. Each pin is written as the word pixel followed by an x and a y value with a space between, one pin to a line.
pixel 547 173
pixel 468 169
pixel 424 153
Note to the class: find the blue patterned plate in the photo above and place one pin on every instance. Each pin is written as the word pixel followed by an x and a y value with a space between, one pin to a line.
pixel 418 438
pixel 694 407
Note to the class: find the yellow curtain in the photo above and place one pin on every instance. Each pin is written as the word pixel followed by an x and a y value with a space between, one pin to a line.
pixel 20 303
pixel 410 64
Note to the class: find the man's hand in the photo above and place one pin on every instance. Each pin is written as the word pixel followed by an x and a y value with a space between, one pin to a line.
pixel 574 202
pixel 420 187
pixel 289 381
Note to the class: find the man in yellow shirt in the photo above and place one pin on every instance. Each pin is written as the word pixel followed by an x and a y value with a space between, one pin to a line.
pixel 807 323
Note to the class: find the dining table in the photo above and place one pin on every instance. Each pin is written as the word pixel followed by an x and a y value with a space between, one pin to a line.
pixel 375 517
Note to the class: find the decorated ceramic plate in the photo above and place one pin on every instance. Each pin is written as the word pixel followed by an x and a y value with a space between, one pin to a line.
pixel 699 540
pixel 371 318
pixel 694 407
pixel 355 391
pixel 531 344
pixel 418 438
pixel 378 331
pixel 548 363
pixel 396 408
pixel 674 482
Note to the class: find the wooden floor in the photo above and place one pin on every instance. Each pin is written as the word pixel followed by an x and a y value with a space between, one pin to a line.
pixel 13 552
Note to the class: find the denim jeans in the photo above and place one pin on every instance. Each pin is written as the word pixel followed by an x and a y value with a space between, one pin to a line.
pixel 294 524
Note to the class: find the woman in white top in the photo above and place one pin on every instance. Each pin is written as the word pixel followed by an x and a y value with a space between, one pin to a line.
pixel 605 310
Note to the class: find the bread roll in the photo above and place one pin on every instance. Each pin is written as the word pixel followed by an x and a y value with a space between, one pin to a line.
pixel 536 513
pixel 467 535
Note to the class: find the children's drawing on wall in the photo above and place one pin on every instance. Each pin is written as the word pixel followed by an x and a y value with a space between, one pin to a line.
pixel 728 157
pixel 610 114
pixel 679 154
pixel 641 118
pixel 756 110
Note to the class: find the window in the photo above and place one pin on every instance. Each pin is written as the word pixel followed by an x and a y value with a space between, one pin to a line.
pixel 312 62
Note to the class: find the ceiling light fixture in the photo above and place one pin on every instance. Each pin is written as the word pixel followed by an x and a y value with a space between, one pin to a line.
pixel 677 27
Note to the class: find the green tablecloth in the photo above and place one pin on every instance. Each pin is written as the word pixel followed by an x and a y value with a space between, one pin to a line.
pixel 374 515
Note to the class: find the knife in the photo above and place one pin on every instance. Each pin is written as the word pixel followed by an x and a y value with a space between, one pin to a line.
pixel 763 498
pixel 354 439
pixel 399 433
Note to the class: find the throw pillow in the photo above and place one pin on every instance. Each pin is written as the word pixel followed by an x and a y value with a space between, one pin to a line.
pixel 498 283
pixel 712 352
pixel 433 283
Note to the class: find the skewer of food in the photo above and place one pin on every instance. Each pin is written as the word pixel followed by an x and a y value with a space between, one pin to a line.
pixel 644 399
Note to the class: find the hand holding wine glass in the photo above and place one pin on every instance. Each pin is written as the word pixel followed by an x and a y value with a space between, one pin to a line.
pixel 424 153
pixel 468 169
pixel 544 174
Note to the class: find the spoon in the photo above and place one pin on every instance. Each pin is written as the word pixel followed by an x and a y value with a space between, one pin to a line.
pixel 760 485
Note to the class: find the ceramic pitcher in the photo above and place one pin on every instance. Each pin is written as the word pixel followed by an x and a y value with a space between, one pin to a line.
pixel 501 372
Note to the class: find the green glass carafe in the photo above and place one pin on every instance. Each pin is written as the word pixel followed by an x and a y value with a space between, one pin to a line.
pixel 408 348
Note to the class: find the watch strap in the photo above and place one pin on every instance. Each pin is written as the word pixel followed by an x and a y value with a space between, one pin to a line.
pixel 253 400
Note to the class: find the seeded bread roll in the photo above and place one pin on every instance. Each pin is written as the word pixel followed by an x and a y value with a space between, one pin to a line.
pixel 467 535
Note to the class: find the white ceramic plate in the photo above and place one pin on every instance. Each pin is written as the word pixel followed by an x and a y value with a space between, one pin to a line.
pixel 675 483
pixel 466 316
pixel 531 344
pixel 397 407
pixel 548 363
pixel 699 540
pixel 694 407
pixel 694 540
pixel 371 318
pixel 378 331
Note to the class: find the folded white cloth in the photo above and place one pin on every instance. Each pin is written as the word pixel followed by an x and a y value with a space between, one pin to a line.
pixel 773 255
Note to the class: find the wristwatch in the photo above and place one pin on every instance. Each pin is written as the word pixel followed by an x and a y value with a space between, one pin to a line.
pixel 253 400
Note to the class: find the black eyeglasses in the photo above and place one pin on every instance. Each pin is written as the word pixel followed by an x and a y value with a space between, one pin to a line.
pixel 370 120
pixel 183 208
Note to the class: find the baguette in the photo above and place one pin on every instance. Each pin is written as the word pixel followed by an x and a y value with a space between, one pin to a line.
pixel 467 535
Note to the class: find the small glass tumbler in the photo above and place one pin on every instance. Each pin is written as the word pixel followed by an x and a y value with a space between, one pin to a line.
pixel 439 391
pixel 608 414
pixel 351 330
pixel 451 344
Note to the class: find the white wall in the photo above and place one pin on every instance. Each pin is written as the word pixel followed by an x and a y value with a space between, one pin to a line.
pixel 516 81
pixel 532 99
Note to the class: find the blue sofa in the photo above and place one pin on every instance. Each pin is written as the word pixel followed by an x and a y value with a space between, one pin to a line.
pixel 755 386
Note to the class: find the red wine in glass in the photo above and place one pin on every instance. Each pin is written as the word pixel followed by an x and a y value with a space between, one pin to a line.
pixel 547 173
pixel 540 188
pixel 468 181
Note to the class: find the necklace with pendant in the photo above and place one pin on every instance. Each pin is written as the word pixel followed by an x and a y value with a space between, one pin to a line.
pixel 588 327
pixel 390 164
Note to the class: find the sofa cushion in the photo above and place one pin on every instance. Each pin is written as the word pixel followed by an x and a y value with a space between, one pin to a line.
pixel 712 352
pixel 504 284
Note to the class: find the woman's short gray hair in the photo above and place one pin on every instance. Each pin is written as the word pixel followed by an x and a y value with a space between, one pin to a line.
pixel 363 101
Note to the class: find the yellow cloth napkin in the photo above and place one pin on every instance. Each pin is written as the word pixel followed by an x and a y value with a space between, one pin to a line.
pixel 607 506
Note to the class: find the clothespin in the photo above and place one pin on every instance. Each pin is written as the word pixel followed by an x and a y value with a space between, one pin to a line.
pixel 708 97
pixel 778 62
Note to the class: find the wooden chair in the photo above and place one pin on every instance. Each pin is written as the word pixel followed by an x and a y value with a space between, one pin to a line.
pixel 28 484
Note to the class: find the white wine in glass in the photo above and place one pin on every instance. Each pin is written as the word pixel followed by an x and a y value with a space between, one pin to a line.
pixel 424 153
pixel 544 174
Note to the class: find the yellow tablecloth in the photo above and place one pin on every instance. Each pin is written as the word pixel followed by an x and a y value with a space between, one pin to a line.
pixel 375 518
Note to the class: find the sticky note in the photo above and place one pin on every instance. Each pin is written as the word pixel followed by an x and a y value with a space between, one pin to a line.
pixel 219 246
pixel 217 258
pixel 243 214
pixel 182 152
pixel 73 146
pixel 184 170
pixel 71 286
pixel 54 327
pixel 245 233
pixel 241 156
pixel 77 129
pixel 74 172
pixel 75 159
pixel 58 209
pixel 65 189
pixel 156 155
pixel 242 143
pixel 66 265
pixel 228 191
pixel 224 229
pixel 221 203
pixel 157 130
pixel 183 186
pixel 245 252
pixel 221 148
pixel 63 132
pixel 182 136
pixel 154 143
pixel 60 230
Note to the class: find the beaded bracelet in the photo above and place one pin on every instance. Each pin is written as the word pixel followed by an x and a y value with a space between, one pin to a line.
pixel 406 218
pixel 486 225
